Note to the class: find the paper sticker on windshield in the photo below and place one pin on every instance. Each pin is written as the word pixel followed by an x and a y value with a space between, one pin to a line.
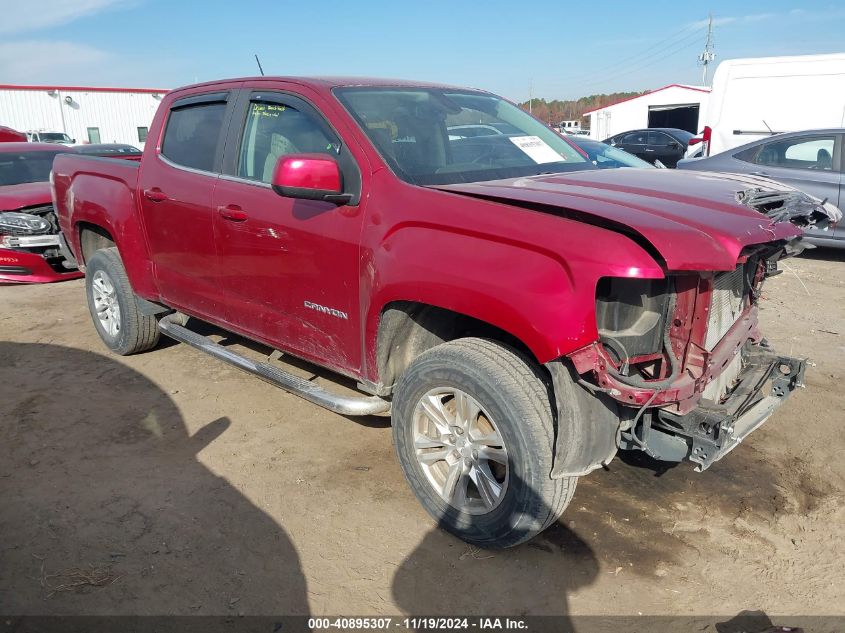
pixel 537 149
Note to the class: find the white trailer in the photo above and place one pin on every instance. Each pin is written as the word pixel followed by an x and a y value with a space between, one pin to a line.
pixel 755 98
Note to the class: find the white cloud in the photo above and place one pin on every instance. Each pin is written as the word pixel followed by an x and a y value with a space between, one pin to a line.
pixel 35 15
pixel 740 19
pixel 50 61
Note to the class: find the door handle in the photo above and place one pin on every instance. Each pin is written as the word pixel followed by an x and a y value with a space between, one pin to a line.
pixel 155 195
pixel 232 212
pixel 649 150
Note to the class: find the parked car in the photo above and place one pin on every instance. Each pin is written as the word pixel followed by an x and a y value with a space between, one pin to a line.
pixel 8 135
pixel 811 161
pixel 50 137
pixel 520 317
pixel 606 156
pixel 29 231
pixel 665 144
pixel 112 150
pixel 753 99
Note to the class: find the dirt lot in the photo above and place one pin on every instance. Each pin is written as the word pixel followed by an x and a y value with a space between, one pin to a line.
pixel 168 483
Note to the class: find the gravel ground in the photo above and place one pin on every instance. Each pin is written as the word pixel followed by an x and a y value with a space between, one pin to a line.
pixel 169 483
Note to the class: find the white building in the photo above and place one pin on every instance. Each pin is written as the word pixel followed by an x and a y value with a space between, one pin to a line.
pixel 88 115
pixel 674 105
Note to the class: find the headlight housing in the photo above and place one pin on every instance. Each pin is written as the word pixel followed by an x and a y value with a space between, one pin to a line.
pixel 16 223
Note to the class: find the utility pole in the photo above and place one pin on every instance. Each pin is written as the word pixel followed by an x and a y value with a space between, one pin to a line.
pixel 530 95
pixel 707 55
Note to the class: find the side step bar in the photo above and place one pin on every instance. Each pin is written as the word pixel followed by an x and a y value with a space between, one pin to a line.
pixel 345 405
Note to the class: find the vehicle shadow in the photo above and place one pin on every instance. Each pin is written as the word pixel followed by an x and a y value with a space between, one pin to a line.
pixel 446 576
pixel 107 508
pixel 824 253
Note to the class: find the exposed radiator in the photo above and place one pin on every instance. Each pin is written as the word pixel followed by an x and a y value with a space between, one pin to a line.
pixel 717 388
pixel 727 303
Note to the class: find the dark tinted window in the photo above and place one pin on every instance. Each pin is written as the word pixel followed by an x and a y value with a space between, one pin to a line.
pixel 192 135
pixel 23 167
pixel 634 138
pixel 274 130
pixel 660 138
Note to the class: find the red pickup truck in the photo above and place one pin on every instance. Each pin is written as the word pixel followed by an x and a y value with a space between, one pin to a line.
pixel 521 314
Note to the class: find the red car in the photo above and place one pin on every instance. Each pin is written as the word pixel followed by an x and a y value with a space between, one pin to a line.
pixel 521 314
pixel 8 135
pixel 29 232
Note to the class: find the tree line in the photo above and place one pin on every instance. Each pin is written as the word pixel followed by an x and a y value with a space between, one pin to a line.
pixel 556 110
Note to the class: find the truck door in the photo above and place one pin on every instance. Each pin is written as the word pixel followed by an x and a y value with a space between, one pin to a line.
pixel 175 193
pixel 289 267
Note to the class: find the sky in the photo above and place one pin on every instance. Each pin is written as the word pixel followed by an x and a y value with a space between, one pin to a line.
pixel 556 50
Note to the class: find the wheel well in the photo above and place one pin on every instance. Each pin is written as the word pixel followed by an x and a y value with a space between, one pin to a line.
pixel 92 238
pixel 408 328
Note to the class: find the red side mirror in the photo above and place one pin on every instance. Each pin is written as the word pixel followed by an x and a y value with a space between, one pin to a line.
pixel 310 177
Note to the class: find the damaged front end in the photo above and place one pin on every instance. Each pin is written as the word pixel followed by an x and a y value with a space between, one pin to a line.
pixel 791 205
pixel 683 357
pixel 30 247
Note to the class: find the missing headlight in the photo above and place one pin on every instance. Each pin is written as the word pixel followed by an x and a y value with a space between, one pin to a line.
pixel 631 316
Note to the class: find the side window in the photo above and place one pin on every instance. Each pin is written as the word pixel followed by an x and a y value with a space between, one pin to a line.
pixel 799 153
pixel 274 130
pixel 659 138
pixel 192 134
pixel 634 138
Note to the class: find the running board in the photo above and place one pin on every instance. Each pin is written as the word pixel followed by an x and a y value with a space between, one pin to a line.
pixel 345 405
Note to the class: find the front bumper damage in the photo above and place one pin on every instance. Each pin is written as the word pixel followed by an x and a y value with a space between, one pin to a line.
pixel 712 430
pixel 725 383
pixel 24 261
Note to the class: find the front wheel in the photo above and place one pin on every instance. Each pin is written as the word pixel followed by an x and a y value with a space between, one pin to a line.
pixel 474 433
pixel 113 307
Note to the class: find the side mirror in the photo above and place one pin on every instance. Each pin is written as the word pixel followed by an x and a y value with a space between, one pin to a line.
pixel 309 177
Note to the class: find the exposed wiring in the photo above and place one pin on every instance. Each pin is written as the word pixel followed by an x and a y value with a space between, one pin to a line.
pixel 638 441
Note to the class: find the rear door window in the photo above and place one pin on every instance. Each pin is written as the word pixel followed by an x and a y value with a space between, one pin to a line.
pixel 797 153
pixel 193 134
pixel 660 139
pixel 635 138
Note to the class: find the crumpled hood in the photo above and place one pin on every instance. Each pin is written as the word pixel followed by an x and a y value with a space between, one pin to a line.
pixel 28 194
pixel 695 220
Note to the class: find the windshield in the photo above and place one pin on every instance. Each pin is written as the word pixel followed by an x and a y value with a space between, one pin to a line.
pixel 54 137
pixel 438 137
pixel 17 168
pixel 606 156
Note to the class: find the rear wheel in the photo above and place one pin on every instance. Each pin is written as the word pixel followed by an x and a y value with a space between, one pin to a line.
pixel 113 307
pixel 473 428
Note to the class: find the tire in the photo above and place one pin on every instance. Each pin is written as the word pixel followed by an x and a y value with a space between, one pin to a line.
pixel 124 330
pixel 514 402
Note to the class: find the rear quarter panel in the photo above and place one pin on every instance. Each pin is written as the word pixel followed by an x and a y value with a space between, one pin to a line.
pixel 97 191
